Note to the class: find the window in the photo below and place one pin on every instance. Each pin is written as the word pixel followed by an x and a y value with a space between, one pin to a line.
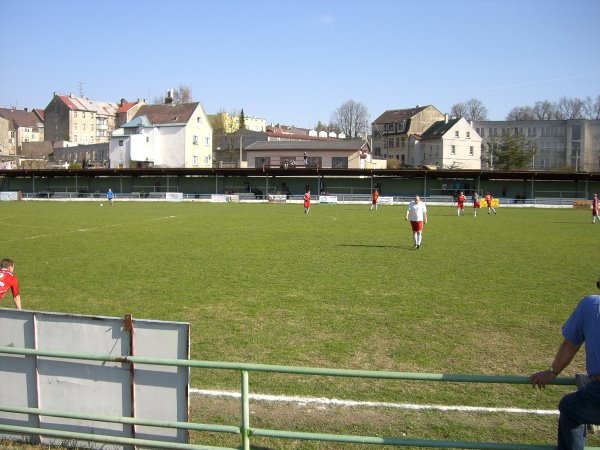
pixel 468 135
pixel 75 138
pixel 199 122
pixel 456 134
pixel 531 132
pixel 453 150
pixel 83 126
pixel 194 160
pixel 576 132
pixel 471 153
pixel 83 114
pixel 147 138
pixel 121 143
pixel 75 126
pixel 75 114
pixel 339 162
pixel 195 140
pixel 207 141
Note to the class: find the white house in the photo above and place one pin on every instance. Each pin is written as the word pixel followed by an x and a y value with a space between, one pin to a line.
pixel 169 135
pixel 447 144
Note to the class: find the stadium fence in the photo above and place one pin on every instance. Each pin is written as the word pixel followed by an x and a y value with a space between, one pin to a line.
pixel 245 430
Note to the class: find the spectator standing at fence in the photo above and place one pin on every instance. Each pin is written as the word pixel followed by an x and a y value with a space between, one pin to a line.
pixel 460 203
pixel 583 406
pixel 9 281
pixel 476 203
pixel 305 159
pixel 595 208
pixel 488 200
pixel 375 199
pixel 109 196
pixel 307 202
pixel 417 213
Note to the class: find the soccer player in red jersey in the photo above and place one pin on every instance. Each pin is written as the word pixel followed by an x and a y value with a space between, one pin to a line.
pixel 488 200
pixel 460 201
pixel 307 202
pixel 9 281
pixel 375 199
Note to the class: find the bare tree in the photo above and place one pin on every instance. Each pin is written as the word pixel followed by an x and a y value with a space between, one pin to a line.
pixel 183 94
pixel 458 110
pixel 591 108
pixel 544 110
pixel 521 113
pixel 352 118
pixel 570 108
pixel 472 109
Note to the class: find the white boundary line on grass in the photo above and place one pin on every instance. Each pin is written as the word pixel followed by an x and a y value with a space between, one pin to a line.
pixel 353 403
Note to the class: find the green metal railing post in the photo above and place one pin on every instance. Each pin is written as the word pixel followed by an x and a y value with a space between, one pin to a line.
pixel 245 429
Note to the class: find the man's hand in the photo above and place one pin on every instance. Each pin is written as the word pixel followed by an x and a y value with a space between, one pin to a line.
pixel 541 379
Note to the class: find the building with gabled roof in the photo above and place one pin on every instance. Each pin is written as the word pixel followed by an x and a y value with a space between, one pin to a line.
pixel 79 120
pixel 165 135
pixel 127 111
pixel 22 126
pixel 392 129
pixel 447 144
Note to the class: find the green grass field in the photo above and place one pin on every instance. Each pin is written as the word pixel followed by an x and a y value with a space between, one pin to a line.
pixel 340 287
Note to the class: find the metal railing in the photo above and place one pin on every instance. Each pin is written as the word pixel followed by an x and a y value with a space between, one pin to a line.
pixel 245 430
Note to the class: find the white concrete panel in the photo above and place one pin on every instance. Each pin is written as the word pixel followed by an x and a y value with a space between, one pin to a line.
pixel 93 387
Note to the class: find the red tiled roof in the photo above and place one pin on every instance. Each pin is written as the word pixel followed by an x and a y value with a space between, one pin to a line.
pixel 126 106
pixel 67 101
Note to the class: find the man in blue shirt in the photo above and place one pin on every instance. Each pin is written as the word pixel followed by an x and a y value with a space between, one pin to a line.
pixel 109 196
pixel 583 406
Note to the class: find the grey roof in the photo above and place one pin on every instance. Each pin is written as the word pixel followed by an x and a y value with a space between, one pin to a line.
pixel 438 129
pixel 398 115
pixel 340 144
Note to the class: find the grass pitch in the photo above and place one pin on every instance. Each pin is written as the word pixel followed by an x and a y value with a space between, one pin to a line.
pixel 338 287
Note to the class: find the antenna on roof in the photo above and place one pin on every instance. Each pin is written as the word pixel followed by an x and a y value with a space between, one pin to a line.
pixel 81 89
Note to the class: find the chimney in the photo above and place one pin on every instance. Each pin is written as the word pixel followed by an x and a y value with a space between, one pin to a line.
pixel 445 118
pixel 169 97
pixel 25 109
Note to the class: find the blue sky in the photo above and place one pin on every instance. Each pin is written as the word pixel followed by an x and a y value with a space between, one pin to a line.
pixel 295 62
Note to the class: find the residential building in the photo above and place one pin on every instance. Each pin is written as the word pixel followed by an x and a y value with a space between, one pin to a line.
pixel 79 120
pixel 127 111
pixel 392 129
pixel 335 154
pixel 447 144
pixel 231 123
pixel 572 144
pixel 167 135
pixel 23 126
pixel 4 137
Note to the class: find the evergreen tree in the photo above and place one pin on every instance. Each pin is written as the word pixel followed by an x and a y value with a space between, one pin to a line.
pixel 513 151
pixel 242 120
